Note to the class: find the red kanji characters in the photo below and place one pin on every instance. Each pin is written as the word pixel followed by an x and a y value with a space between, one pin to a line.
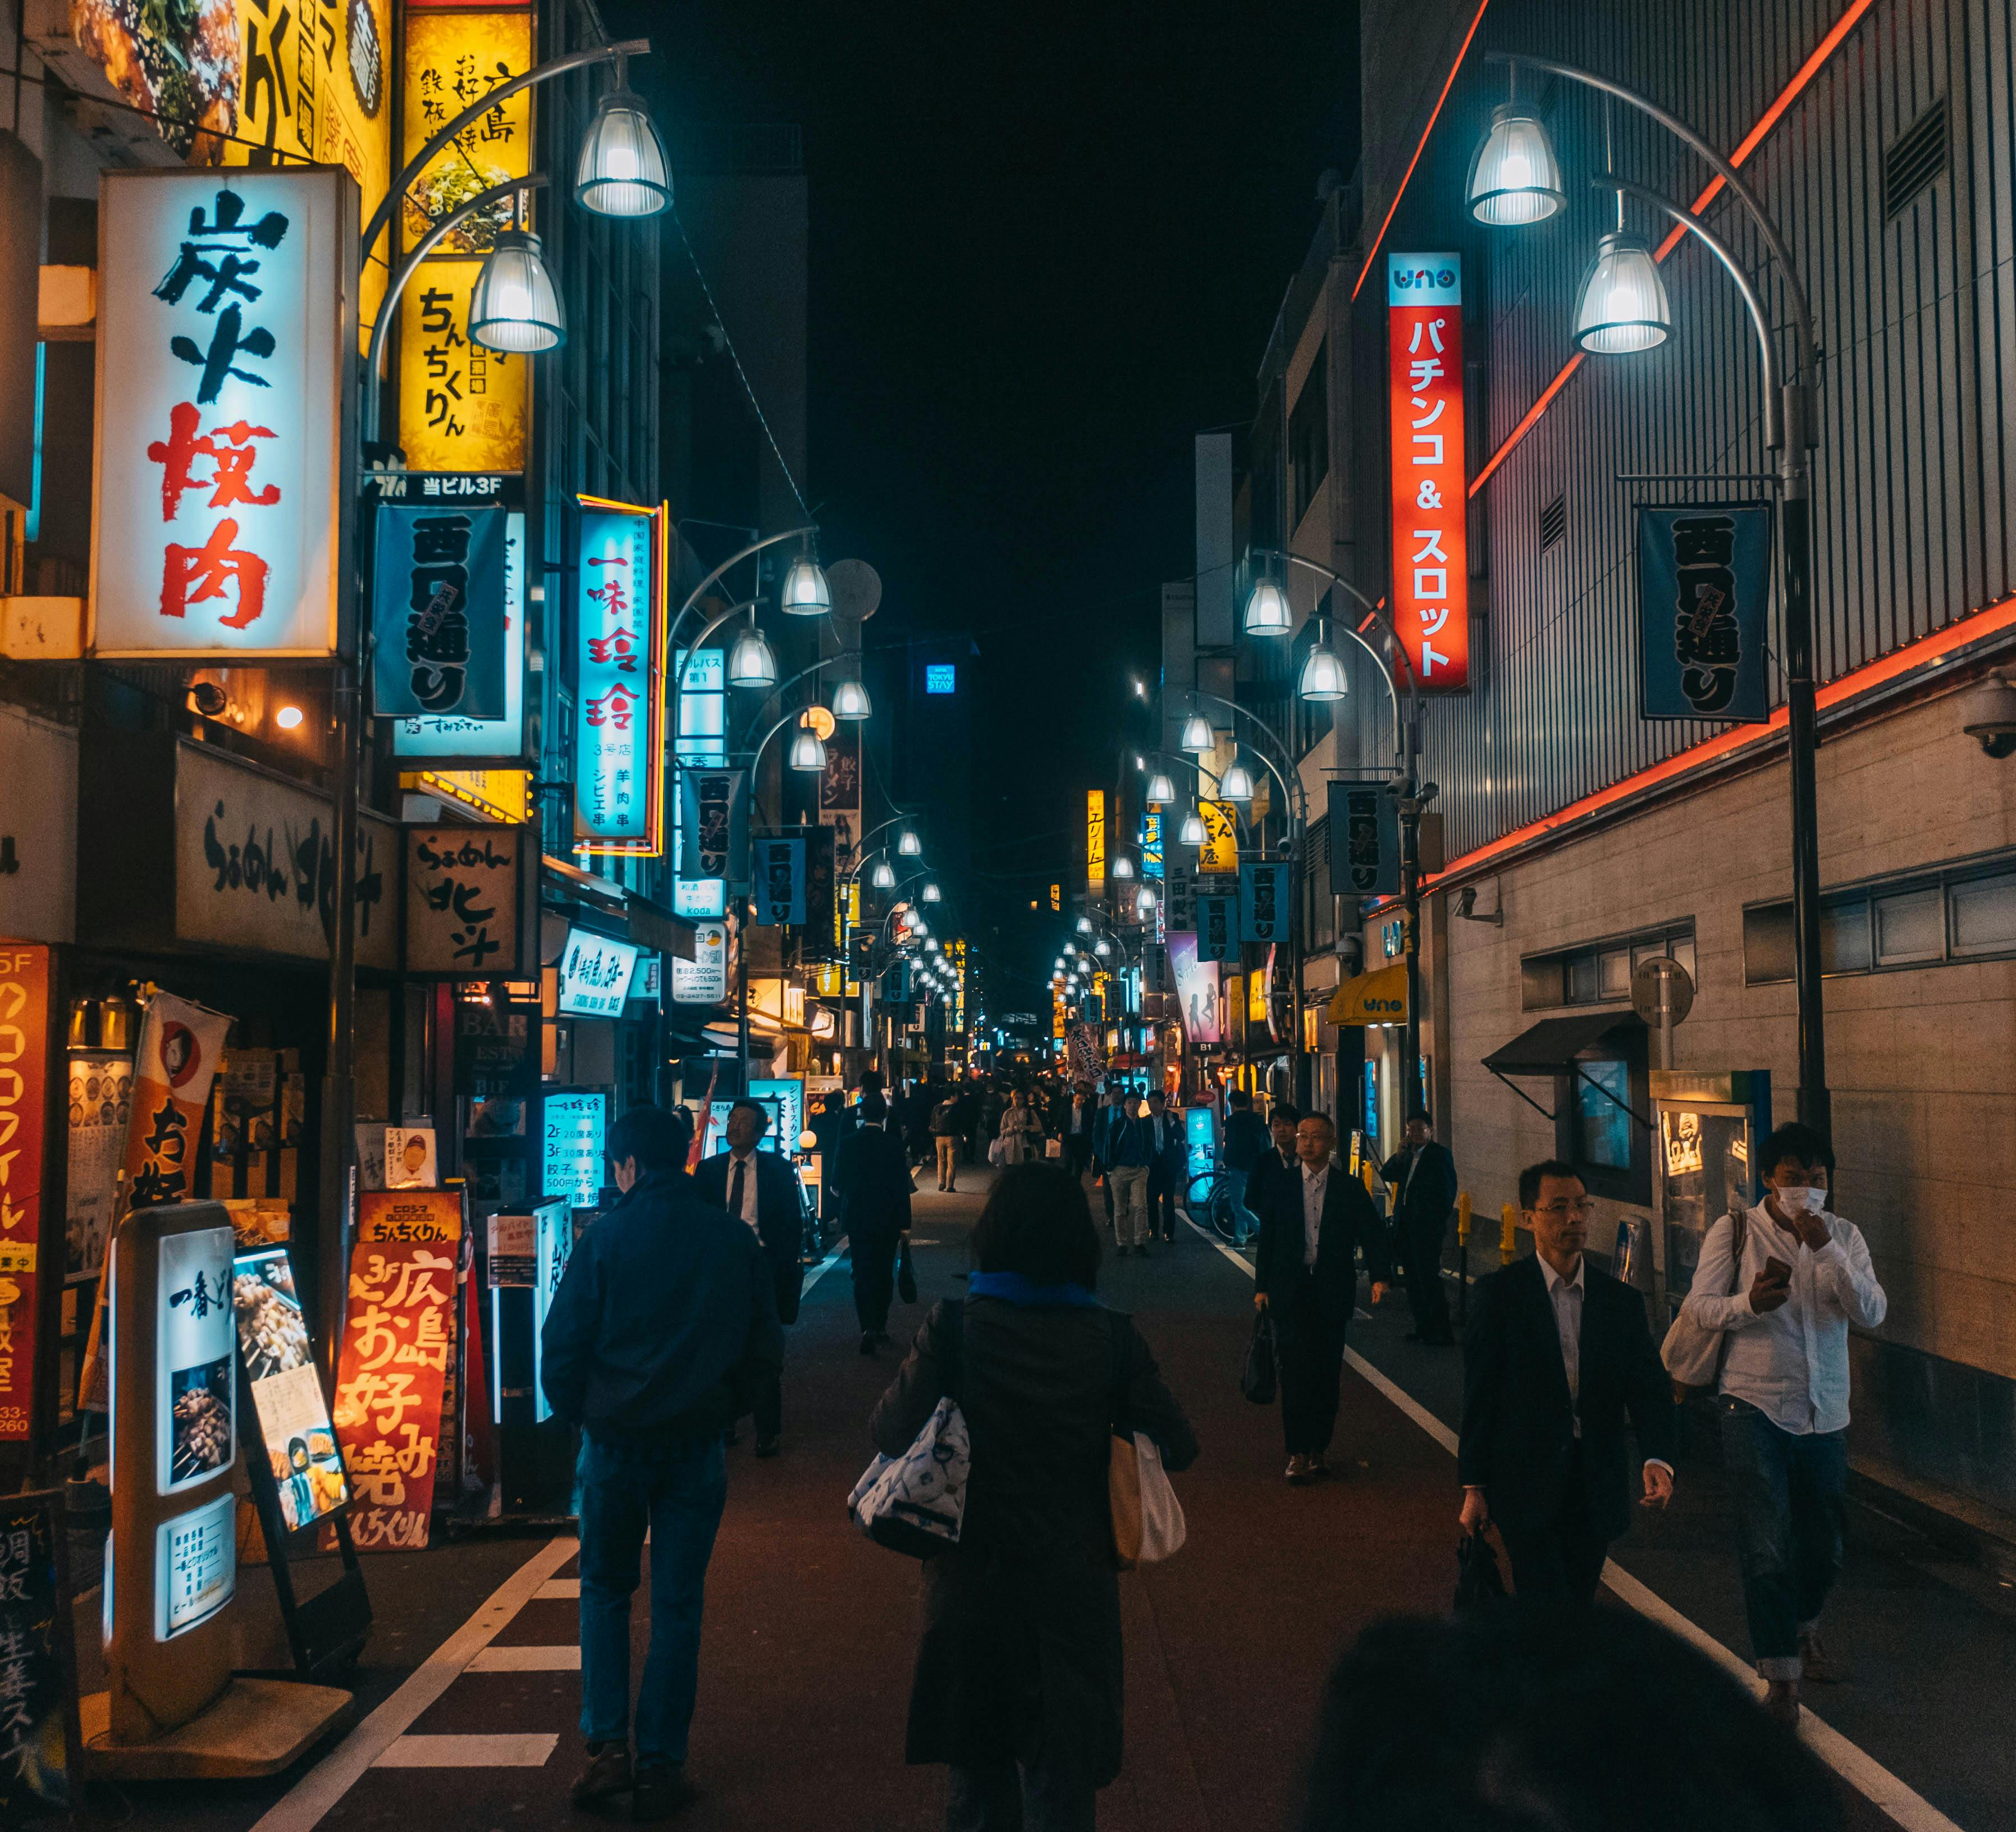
pixel 612 709
pixel 207 567
pixel 230 482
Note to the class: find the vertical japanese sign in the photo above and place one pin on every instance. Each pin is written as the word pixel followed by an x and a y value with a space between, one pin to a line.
pixel 24 1054
pixel 1364 841
pixel 571 1157
pixel 1430 548
pixel 1220 850
pixel 226 406
pixel 777 882
pixel 398 1338
pixel 461 900
pixel 714 822
pixel 456 735
pixel 619 700
pixel 1218 927
pixel 1151 844
pixel 438 610
pixel 1095 835
pixel 41 1749
pixel 839 794
pixel 462 408
pixel 1704 596
pixel 1264 893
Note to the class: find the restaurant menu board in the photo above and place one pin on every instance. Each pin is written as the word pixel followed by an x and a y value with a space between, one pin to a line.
pixel 41 1769
pixel 196 1394
pixel 431 1215
pixel 294 1427
pixel 100 1102
pixel 195 1566
pixel 397 1341
pixel 553 1245
pixel 513 1248
pixel 572 1164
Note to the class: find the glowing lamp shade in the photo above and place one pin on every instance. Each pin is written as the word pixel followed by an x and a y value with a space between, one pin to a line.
pixel 850 700
pixel 908 844
pixel 1323 675
pixel 1514 177
pixel 1193 834
pixel 1267 613
pixel 514 307
pixel 805 592
pixel 1070 948
pixel 1621 308
pixel 1236 784
pixel 1085 925
pixel 1123 866
pixel 931 942
pixel 1197 736
pixel 1144 900
pixel 930 893
pixel 622 168
pixel 884 878
pixel 751 663
pixel 1161 790
pixel 807 752
pixel 1104 948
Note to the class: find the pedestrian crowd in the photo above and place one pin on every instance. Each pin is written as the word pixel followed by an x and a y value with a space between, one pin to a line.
pixel 1004 1430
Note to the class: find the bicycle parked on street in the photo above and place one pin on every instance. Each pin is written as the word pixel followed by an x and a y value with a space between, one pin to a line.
pixel 1209 1199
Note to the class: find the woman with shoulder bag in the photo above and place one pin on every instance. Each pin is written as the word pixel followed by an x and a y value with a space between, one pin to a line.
pixel 1018 1673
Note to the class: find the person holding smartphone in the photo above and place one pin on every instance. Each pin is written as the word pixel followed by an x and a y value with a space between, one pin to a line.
pixel 1803 1277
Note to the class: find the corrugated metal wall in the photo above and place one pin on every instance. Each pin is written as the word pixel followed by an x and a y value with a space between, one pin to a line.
pixel 1915 316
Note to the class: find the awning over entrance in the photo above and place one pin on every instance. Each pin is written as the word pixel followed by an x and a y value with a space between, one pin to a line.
pixel 1379 997
pixel 1552 1046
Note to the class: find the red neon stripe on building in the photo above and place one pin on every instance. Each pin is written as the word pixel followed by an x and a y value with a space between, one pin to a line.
pixel 1926 652
pixel 1449 82
pixel 1751 141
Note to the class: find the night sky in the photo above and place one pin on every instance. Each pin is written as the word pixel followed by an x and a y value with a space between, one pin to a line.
pixel 1048 244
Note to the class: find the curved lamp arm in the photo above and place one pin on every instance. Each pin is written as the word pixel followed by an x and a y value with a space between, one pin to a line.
pixel 1378 614
pixel 1297 797
pixel 797 712
pixel 685 661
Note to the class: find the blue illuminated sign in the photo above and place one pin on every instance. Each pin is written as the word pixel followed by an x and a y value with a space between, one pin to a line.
pixel 941 677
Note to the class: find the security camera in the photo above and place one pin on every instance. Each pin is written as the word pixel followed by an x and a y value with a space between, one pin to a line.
pixel 1988 714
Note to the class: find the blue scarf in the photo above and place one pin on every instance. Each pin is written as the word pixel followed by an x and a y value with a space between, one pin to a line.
pixel 1019 1288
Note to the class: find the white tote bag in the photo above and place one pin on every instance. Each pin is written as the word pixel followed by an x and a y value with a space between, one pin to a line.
pixel 916 1503
pixel 1148 1523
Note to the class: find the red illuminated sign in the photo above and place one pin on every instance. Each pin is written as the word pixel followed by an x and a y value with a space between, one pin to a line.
pixel 1431 555
pixel 24 1030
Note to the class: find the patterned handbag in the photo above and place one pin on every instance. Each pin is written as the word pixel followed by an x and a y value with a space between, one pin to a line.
pixel 916 1503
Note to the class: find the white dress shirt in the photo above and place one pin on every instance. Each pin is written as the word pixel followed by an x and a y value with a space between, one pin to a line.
pixel 1314 1184
pixel 1791 1363
pixel 748 1162
pixel 1566 1296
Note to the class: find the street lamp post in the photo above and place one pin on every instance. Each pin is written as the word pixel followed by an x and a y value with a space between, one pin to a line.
pixel 1791 431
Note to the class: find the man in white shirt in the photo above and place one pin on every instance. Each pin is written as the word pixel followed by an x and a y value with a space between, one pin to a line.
pixel 1801 1276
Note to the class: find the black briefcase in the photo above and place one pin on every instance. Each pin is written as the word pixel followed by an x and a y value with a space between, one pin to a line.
pixel 1260 1379
pixel 1478 1583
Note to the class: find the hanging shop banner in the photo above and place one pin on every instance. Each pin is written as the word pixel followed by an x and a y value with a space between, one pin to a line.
pixel 777 882
pixel 101 1104
pixel 24 1057
pixel 1182 898
pixel 1095 834
pixel 398 1336
pixel 462 408
pixel 619 715
pixel 457 735
pixel 1364 841
pixel 1196 990
pixel 1266 895
pixel 1704 603
pixel 255 864
pixel 714 821
pixel 226 408
pixel 703 979
pixel 439 611
pixel 1151 844
pixel 462 895
pixel 839 793
pixel 1431 501
pixel 1218 926
pixel 1220 851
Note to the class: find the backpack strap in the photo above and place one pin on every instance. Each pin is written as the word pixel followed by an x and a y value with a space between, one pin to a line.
pixel 1739 1223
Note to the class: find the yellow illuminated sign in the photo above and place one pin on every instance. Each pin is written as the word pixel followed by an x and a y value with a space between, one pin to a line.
pixel 1220 851
pixel 462 408
pixel 498 795
pixel 1256 999
pixel 455 57
pixel 1056 897
pixel 1095 832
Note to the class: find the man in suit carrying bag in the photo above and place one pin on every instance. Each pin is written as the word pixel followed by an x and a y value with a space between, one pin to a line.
pixel 1315 1219
pixel 1422 1177
pixel 1556 1357
pixel 758 1187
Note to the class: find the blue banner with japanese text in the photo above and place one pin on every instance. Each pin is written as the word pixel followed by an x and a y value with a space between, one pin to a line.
pixel 1704 603
pixel 438 610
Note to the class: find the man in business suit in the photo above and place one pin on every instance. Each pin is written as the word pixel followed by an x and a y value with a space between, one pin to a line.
pixel 758 1187
pixel 1277 1161
pixel 1168 1155
pixel 1422 1177
pixel 875 1199
pixel 1315 1219
pixel 1557 1355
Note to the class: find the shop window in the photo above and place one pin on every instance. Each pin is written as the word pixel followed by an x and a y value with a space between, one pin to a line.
pixel 1600 973
pixel 1844 938
pixel 1984 916
pixel 1613 974
pixel 1910 928
pixel 1596 1126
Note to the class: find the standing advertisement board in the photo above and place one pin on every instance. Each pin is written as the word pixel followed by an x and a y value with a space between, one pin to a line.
pixel 1431 503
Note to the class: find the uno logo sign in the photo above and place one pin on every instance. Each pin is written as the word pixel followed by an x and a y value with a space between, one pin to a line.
pixel 1442 278
pixel 1385 1008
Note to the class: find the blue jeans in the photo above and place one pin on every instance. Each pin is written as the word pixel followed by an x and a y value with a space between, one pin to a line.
pixel 1247 1223
pixel 1789 1492
pixel 676 1490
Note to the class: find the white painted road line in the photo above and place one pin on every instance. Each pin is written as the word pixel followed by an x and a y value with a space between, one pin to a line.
pixel 526 1659
pixel 311 1798
pixel 825 1266
pixel 1852 1763
pixel 529 1751
pixel 558 1590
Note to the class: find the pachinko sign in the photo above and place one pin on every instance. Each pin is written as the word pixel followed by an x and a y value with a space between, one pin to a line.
pixel 225 368
pixel 1430 547
pixel 619 702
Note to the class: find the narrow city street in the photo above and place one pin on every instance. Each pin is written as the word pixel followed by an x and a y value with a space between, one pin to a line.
pixel 811 1630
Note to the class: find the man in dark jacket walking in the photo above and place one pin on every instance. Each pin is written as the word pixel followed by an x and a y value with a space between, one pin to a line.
pixel 876 1204
pixel 1316 1219
pixel 1422 1177
pixel 1557 1355
pixel 664 1322
pixel 756 1187
pixel 1246 1143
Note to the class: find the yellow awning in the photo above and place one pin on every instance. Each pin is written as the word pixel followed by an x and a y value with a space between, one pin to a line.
pixel 1378 997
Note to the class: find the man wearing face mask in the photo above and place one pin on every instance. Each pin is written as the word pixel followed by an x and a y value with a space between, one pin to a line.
pixel 1786 1297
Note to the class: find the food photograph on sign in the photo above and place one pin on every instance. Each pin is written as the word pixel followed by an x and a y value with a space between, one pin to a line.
pixel 197 1384
pixel 294 1426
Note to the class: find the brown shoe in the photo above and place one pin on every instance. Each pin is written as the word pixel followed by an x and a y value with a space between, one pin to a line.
pixel 1781 1700
pixel 1820 1667
pixel 606 1775
pixel 1299 1470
